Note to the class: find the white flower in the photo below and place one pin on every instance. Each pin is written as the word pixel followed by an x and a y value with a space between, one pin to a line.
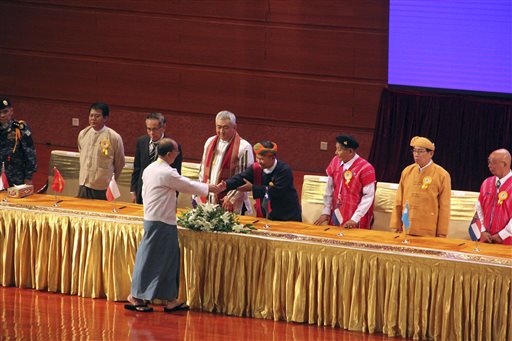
pixel 212 218
pixel 238 227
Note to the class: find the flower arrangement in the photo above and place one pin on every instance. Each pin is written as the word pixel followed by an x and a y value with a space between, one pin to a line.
pixel 209 217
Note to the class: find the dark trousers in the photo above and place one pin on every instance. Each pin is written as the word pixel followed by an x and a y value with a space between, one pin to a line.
pixel 89 193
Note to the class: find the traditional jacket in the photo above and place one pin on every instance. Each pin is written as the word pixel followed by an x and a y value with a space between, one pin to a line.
pixel 496 205
pixel 428 194
pixel 348 188
pixel 160 184
pixel 101 155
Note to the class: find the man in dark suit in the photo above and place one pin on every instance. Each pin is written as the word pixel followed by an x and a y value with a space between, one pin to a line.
pixel 271 183
pixel 147 151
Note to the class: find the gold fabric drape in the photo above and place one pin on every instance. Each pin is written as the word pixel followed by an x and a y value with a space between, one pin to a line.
pixel 365 281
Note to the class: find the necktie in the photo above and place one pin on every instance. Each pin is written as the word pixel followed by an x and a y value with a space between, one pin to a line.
pixel 498 184
pixel 153 148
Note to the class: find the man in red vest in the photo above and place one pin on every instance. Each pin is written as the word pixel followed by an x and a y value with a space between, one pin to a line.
pixel 494 205
pixel 350 191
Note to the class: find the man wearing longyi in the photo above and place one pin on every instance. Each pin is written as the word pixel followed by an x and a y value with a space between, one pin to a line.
pixel 426 188
pixel 156 272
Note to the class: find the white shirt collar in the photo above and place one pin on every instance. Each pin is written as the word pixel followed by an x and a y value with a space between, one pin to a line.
pixel 423 168
pixel 347 165
pixel 505 178
pixel 157 141
pixel 271 169
pixel 100 131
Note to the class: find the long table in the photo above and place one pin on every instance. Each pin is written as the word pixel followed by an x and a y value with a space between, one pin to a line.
pixel 365 281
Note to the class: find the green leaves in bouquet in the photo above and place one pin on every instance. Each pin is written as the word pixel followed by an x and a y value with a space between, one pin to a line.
pixel 208 217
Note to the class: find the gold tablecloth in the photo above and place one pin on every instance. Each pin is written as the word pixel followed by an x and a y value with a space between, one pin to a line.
pixel 365 281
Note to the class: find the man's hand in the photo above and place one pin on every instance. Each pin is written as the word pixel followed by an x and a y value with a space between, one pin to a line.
pixel 485 237
pixel 247 187
pixel 134 197
pixel 322 219
pixel 227 204
pixel 220 187
pixel 350 224
pixel 495 238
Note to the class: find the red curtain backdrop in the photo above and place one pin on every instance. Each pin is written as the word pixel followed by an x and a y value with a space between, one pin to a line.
pixel 465 129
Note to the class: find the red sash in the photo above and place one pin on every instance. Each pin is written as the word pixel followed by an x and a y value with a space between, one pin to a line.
pixel 258 181
pixel 229 161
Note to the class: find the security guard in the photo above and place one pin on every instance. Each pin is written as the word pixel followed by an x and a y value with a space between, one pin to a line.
pixel 17 151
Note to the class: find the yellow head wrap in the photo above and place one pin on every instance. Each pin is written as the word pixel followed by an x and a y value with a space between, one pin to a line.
pixel 418 141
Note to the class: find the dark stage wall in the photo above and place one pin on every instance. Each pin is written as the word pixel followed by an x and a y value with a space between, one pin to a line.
pixel 297 71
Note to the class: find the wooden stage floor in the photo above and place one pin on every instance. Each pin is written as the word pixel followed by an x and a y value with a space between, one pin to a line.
pixel 37 315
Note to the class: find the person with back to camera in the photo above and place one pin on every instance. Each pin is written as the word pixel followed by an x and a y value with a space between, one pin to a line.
pixel 156 272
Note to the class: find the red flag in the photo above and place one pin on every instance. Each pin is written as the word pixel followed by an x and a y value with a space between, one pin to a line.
pixel 113 190
pixel 4 184
pixel 58 181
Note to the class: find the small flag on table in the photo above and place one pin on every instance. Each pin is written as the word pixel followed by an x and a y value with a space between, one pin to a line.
pixel 405 216
pixel 113 190
pixel 337 218
pixel 58 181
pixel 265 205
pixel 4 184
pixel 475 228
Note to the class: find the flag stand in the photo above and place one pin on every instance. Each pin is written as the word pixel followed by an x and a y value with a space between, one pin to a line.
pixel 56 203
pixel 476 249
pixel 115 210
pixel 406 222
pixel 405 241
pixel 5 196
pixel 267 226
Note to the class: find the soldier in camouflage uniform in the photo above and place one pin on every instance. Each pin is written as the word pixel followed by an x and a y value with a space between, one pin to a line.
pixel 17 151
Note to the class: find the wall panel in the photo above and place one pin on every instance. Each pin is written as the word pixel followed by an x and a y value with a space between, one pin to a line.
pixel 225 9
pixel 296 71
pixel 302 50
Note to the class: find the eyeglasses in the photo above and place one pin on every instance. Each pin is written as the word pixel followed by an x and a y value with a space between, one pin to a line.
pixel 418 151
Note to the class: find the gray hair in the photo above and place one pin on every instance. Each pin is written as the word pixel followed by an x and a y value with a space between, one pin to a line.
pixel 157 116
pixel 226 115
